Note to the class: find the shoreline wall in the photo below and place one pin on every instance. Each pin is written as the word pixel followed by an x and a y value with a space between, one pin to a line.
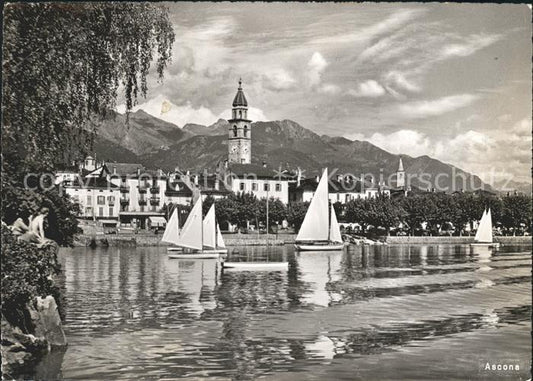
pixel 141 240
pixel 406 240
pixel 134 240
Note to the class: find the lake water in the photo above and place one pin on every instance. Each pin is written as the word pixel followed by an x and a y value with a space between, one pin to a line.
pixel 369 313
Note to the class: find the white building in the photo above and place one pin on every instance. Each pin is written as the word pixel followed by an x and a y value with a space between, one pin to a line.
pixel 96 197
pixel 342 189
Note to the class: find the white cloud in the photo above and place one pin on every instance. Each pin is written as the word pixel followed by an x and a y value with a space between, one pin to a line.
pixel 423 109
pixel 161 108
pixel 397 79
pixel 330 89
pixel 403 142
pixel 254 114
pixel 370 88
pixel 391 23
pixel 470 46
pixel 316 66
pixel 278 79
pixel 484 154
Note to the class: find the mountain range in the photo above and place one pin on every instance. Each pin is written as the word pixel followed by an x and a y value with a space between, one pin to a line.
pixel 155 143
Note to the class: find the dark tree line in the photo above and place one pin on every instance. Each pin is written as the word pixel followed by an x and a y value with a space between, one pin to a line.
pixel 426 213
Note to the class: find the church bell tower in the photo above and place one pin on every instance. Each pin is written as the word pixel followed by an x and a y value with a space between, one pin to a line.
pixel 240 134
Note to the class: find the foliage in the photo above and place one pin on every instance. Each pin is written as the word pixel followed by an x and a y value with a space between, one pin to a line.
pixel 26 273
pixel 277 212
pixel 516 210
pixel 440 209
pixel 63 67
pixel 296 214
pixel 61 223
pixel 64 64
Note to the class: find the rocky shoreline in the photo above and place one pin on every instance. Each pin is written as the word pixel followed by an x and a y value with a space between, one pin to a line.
pixel 21 348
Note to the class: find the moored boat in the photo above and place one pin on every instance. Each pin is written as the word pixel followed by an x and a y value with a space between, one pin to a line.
pixel 200 239
pixel 320 229
pixel 255 266
pixel 483 236
pixel 172 232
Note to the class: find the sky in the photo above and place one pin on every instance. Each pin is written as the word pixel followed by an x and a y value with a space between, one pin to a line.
pixel 452 81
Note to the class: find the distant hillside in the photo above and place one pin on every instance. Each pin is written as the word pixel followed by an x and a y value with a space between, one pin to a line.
pixel 158 144
pixel 141 134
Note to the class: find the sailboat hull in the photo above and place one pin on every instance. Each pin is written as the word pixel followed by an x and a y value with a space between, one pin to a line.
pixel 485 244
pixel 174 248
pixel 318 247
pixel 255 266
pixel 194 256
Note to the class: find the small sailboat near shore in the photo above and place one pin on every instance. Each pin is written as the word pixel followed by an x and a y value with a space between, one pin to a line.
pixel 172 232
pixel 484 232
pixel 200 239
pixel 320 230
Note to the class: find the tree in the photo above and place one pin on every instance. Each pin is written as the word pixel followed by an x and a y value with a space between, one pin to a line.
pixel 63 67
pixel 382 212
pixel 516 213
pixel 277 211
pixel 357 211
pixel 296 214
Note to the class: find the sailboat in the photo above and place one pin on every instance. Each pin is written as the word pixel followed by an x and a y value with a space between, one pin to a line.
pixel 484 232
pixel 191 237
pixel 172 231
pixel 211 233
pixel 320 232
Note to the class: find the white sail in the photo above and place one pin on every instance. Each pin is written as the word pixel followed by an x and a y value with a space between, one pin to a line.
pixel 172 229
pixel 220 240
pixel 315 226
pixel 209 227
pixel 334 229
pixel 191 234
pixel 484 230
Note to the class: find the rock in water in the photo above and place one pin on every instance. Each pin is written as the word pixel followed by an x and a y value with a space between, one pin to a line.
pixel 47 322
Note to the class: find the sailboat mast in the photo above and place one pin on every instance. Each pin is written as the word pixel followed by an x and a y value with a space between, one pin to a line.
pixel 201 219
pixel 329 229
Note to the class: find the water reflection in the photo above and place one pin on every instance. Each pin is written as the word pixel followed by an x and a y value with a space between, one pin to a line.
pixel 133 313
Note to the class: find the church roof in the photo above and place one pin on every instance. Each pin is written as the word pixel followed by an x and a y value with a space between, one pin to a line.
pixel 240 99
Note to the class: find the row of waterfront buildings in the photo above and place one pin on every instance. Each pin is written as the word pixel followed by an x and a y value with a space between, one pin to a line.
pixel 129 192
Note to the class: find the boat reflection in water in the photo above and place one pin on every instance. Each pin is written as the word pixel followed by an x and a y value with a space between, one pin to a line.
pixel 377 312
pixel 317 270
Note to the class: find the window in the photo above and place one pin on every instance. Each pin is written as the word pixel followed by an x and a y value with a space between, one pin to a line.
pixel 240 114
pixel 100 200
pixel 245 131
pixel 242 161
pixel 254 186
pixel 234 131
pixel 142 208
pixel 101 211
pixel 278 187
pixel 110 211
pixel 154 208
pixel 88 211
pixel 266 187
pixel 242 186
pixel 111 200
pixel 89 200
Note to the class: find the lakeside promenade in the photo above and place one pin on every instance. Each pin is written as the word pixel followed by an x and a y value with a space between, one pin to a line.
pixel 144 240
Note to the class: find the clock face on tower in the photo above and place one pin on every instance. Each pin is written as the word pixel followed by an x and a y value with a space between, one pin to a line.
pixel 233 149
pixel 245 149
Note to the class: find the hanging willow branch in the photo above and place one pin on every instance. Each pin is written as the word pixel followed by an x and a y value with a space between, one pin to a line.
pixel 64 65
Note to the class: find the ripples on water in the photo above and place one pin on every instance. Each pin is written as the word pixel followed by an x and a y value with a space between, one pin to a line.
pixel 395 312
